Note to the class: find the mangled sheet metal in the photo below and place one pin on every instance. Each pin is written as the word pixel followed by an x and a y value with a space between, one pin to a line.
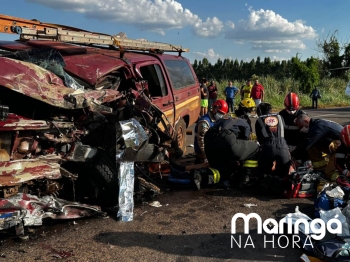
pixel 41 84
pixel 20 171
pixel 31 210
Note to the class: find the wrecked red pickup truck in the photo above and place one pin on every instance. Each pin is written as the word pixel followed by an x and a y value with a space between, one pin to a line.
pixel 61 105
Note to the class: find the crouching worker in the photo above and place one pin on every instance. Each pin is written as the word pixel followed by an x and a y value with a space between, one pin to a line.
pixel 320 135
pixel 218 110
pixel 269 129
pixel 227 147
pixel 342 156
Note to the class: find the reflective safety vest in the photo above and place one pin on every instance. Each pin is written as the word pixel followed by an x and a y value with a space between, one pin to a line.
pixel 250 163
pixel 216 175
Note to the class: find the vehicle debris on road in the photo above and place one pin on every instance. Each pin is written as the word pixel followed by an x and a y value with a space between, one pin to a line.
pixel 155 204
pixel 29 210
pixel 250 205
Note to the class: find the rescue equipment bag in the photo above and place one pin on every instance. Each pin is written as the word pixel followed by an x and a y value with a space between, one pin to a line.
pixel 301 184
pixel 334 250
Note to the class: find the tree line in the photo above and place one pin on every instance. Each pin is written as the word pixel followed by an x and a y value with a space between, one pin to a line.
pixel 333 63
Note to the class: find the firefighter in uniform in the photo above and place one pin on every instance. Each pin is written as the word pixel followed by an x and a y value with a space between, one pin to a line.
pixel 245 108
pixel 342 155
pixel 292 134
pixel 269 130
pixel 227 146
pixel 219 109
pixel 320 135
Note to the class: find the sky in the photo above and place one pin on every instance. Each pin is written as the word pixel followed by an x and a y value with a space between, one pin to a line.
pixel 232 29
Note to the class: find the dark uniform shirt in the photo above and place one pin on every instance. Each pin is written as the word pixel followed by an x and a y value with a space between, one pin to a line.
pixel 226 143
pixel 270 133
pixel 291 130
pixel 239 126
pixel 322 131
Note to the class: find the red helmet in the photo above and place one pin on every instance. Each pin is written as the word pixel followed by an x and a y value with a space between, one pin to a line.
pixel 345 135
pixel 221 106
pixel 291 102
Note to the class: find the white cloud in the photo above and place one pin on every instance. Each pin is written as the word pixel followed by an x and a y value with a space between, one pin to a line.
pixel 230 24
pixel 156 15
pixel 277 58
pixel 274 51
pixel 266 24
pixel 278 45
pixel 209 54
pixel 212 27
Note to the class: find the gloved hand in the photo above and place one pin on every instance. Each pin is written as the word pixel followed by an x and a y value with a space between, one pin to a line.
pixel 334 145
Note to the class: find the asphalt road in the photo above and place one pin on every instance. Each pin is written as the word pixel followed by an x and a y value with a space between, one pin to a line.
pixel 189 226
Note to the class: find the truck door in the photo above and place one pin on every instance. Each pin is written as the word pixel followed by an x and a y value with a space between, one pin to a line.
pixel 185 88
pixel 158 88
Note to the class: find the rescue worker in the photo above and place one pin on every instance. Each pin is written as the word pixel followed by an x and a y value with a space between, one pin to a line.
pixel 245 107
pixel 292 134
pixel 342 159
pixel 219 109
pixel 227 146
pixel 269 130
pixel 320 134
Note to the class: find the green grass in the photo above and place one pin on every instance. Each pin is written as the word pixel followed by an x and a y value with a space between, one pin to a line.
pixel 332 91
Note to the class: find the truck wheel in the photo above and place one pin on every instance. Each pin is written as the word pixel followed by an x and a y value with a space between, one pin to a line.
pixel 180 129
pixel 102 173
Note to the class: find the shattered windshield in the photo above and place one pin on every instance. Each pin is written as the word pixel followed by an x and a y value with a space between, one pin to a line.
pixel 51 60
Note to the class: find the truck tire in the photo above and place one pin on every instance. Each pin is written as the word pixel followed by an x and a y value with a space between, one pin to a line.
pixel 180 129
pixel 102 173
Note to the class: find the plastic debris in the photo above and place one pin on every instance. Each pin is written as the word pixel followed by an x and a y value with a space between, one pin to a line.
pixel 336 193
pixel 250 205
pixel 155 204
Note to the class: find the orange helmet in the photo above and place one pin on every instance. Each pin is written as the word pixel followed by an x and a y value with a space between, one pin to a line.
pixel 291 102
pixel 345 135
pixel 221 106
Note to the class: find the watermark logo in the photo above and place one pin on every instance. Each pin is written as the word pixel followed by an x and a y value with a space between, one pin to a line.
pixel 315 229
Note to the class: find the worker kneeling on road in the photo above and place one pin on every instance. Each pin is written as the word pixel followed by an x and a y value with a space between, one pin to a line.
pixel 269 129
pixel 219 109
pixel 320 135
pixel 227 147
